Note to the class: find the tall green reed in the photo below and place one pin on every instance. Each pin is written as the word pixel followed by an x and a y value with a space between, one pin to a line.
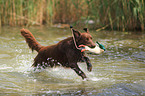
pixel 111 14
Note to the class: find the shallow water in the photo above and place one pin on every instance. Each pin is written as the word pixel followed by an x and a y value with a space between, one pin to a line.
pixel 118 71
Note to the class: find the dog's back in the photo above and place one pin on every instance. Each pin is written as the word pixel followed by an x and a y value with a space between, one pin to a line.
pixel 54 54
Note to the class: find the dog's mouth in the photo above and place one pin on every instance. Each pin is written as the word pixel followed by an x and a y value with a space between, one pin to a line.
pixel 91 46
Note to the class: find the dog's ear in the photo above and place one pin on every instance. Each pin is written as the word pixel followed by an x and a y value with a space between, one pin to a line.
pixel 76 33
pixel 86 30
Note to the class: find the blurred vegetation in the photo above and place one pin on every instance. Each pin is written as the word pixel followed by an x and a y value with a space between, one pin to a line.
pixel 103 14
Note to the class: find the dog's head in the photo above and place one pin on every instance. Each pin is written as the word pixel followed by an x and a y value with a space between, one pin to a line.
pixel 83 38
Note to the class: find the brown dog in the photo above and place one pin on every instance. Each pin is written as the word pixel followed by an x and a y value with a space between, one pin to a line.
pixel 64 52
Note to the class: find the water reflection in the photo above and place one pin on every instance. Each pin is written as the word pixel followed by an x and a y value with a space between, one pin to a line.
pixel 118 71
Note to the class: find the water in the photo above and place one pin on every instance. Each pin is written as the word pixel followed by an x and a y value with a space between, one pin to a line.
pixel 120 71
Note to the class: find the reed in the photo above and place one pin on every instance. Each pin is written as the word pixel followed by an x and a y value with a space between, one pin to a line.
pixel 111 14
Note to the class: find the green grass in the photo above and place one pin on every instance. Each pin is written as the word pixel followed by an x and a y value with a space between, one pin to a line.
pixel 111 14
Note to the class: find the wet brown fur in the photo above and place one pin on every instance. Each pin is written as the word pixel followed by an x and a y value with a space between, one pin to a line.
pixel 64 52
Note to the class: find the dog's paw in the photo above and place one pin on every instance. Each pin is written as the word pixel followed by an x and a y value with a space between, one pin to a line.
pixel 86 79
pixel 89 68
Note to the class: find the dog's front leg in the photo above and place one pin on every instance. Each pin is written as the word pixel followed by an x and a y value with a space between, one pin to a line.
pixel 75 67
pixel 72 59
pixel 88 62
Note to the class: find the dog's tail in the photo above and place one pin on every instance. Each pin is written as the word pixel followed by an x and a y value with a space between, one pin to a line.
pixel 30 39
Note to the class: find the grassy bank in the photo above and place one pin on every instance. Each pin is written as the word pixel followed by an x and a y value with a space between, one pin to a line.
pixel 112 14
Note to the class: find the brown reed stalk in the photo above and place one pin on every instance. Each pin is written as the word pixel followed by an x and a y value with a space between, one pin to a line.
pixel 128 14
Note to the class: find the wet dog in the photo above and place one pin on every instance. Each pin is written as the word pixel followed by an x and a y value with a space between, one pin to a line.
pixel 64 52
